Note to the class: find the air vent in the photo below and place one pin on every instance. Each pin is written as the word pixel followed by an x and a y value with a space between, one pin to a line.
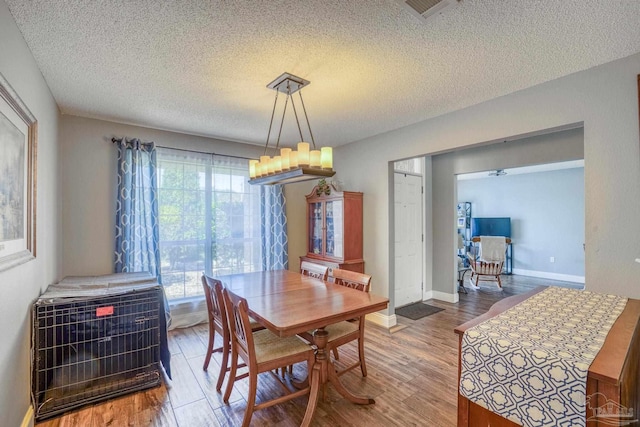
pixel 425 8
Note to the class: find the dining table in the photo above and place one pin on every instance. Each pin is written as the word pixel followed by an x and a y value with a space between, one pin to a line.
pixel 289 303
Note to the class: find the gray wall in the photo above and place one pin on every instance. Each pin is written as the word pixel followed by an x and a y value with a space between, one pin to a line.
pixel 88 185
pixel 547 217
pixel 604 98
pixel 22 284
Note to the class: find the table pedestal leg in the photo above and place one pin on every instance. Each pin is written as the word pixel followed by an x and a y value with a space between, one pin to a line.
pixel 340 388
pixel 313 395
pixel 317 377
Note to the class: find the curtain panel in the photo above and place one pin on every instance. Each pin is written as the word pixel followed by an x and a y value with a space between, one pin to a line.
pixel 137 232
pixel 273 228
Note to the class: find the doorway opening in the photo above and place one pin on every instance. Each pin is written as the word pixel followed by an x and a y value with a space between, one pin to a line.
pixel 540 208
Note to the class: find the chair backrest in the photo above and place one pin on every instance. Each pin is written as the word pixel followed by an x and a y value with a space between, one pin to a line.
pixel 352 279
pixel 215 303
pixel 477 253
pixel 239 326
pixel 314 270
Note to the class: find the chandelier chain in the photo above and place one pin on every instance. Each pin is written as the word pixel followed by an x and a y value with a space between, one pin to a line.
pixel 273 112
pixel 284 113
pixel 295 113
pixel 313 141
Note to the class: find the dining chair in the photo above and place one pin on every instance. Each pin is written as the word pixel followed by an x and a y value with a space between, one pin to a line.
pixel 489 261
pixel 314 270
pixel 261 351
pixel 319 272
pixel 218 323
pixel 351 330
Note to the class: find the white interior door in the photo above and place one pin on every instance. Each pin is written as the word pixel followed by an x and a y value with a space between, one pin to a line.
pixel 408 238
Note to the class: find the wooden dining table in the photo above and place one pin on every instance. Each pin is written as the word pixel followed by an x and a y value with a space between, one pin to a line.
pixel 288 303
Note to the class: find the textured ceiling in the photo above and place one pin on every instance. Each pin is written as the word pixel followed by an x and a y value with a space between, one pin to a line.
pixel 202 67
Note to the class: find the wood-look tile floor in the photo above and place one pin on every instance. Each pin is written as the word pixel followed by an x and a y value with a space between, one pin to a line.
pixel 412 376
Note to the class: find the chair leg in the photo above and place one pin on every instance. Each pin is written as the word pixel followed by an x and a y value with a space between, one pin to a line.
pixel 232 377
pixel 363 366
pixel 251 399
pixel 207 358
pixel 499 281
pixel 335 353
pixel 224 363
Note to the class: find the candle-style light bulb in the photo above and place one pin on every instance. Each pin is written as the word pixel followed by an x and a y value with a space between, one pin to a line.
pixel 303 154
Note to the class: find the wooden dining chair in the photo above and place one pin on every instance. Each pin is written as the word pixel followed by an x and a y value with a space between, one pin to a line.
pixel 261 351
pixel 218 323
pixel 351 330
pixel 319 272
pixel 314 270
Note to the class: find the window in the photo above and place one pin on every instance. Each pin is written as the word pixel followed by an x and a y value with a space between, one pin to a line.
pixel 209 219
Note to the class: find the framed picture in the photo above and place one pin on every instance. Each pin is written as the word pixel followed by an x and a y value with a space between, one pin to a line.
pixel 18 141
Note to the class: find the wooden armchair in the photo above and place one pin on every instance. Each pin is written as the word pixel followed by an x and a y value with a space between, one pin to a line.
pixel 489 268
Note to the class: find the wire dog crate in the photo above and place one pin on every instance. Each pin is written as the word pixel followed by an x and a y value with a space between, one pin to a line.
pixel 92 348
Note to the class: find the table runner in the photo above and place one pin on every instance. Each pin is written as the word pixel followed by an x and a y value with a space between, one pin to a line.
pixel 530 363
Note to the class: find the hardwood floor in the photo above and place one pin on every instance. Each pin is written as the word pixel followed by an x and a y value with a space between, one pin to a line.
pixel 412 376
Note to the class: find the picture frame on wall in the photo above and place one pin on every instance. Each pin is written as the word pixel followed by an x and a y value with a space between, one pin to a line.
pixel 18 161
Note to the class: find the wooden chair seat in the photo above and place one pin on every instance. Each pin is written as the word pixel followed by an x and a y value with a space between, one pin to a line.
pixel 336 331
pixel 341 330
pixel 269 346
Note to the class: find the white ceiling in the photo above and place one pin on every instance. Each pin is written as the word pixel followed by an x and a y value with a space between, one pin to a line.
pixel 202 67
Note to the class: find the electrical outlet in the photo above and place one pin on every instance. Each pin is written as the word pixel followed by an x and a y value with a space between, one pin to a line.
pixel 552 259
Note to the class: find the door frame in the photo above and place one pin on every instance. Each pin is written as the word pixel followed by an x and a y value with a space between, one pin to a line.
pixel 427 247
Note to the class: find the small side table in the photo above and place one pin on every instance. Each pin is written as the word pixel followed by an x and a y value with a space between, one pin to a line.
pixel 461 273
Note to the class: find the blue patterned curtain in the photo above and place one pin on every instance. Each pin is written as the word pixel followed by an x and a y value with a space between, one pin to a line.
pixel 273 228
pixel 137 234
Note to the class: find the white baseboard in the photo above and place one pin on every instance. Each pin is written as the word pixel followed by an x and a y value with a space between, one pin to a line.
pixel 443 296
pixel 547 275
pixel 427 295
pixel 382 319
pixel 28 421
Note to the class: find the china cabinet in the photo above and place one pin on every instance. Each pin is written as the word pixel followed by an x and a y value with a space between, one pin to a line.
pixel 334 228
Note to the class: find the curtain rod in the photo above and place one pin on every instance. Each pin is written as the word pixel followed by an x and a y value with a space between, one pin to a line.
pixel 114 140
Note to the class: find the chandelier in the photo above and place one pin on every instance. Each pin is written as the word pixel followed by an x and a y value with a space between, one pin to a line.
pixel 289 165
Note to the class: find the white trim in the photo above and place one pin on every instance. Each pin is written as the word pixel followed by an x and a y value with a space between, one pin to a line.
pixel 547 275
pixel 427 295
pixel 27 421
pixel 443 296
pixel 382 319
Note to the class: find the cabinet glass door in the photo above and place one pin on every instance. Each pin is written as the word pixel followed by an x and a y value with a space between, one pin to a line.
pixel 315 228
pixel 335 232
